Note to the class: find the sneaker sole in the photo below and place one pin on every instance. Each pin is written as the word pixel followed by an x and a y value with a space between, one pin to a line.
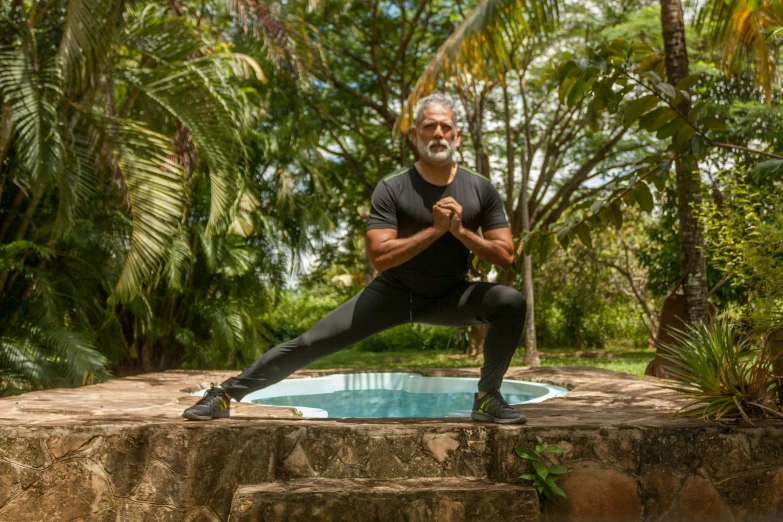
pixel 483 417
pixel 218 415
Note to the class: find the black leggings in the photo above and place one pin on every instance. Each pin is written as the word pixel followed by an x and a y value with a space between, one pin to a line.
pixel 380 306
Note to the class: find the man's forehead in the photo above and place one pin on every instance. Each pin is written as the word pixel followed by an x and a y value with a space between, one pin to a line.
pixel 437 112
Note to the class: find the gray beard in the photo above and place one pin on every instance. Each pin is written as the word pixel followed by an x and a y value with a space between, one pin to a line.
pixel 441 157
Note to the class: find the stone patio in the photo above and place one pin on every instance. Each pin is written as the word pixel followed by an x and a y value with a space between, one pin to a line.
pixel 119 451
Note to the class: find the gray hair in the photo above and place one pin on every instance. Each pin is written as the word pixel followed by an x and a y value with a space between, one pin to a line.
pixel 434 99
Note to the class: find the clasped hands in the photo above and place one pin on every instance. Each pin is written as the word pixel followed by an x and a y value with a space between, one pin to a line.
pixel 447 216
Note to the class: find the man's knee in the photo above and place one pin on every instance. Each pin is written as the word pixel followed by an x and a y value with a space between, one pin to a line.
pixel 508 301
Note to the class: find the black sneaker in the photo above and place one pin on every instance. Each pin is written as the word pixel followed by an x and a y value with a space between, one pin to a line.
pixel 214 405
pixel 493 408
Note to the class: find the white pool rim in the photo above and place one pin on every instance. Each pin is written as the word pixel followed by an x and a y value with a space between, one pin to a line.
pixel 409 382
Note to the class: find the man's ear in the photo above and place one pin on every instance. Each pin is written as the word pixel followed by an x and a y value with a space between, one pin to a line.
pixel 459 138
pixel 414 136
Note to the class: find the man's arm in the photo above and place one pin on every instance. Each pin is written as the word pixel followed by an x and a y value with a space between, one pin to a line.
pixel 386 250
pixel 497 245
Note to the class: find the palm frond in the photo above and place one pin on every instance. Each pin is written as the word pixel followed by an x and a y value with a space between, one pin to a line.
pixel 78 179
pixel 201 94
pixel 22 362
pixel 178 263
pixel 481 45
pixel 284 35
pixel 155 190
pixel 72 353
pixel 90 26
pixel 30 91
pixel 743 30
pixel 153 33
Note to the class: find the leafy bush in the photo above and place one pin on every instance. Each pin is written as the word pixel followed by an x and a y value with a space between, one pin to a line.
pixel 546 473
pixel 722 373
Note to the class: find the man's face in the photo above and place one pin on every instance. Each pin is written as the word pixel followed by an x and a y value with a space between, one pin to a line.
pixel 437 137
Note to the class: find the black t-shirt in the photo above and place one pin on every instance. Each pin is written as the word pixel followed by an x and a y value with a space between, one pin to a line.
pixel 403 201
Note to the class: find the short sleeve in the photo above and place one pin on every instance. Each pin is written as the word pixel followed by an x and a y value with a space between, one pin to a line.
pixel 383 211
pixel 492 214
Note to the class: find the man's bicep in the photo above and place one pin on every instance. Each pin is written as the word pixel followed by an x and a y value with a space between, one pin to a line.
pixel 376 236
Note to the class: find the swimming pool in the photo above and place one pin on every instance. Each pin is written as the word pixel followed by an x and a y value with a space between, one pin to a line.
pixel 390 395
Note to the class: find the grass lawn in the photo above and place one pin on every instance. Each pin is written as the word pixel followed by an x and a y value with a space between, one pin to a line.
pixel 622 359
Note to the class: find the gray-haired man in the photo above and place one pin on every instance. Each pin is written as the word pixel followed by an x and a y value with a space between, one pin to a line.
pixel 423 224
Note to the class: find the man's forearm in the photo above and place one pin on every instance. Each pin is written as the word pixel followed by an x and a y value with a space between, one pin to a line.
pixel 494 252
pixel 394 252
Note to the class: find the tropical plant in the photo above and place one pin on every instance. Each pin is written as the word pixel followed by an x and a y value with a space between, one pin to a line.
pixel 132 226
pixel 545 472
pixel 747 32
pixel 722 372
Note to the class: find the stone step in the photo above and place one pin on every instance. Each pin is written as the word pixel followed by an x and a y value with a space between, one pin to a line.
pixel 369 500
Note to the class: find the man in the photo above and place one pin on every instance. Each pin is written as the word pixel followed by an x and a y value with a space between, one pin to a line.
pixel 423 225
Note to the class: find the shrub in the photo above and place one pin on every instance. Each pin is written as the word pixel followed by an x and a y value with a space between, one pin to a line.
pixel 722 373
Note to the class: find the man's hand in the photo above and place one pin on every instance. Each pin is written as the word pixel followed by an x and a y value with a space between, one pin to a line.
pixel 455 209
pixel 441 217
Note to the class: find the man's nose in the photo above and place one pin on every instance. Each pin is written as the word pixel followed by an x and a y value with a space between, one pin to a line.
pixel 438 132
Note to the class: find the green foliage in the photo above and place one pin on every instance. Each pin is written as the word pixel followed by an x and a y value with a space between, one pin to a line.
pixel 545 472
pixel 622 80
pixel 722 373
pixel 581 303
pixel 745 237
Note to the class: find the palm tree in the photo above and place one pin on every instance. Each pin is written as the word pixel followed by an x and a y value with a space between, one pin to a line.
pixel 108 108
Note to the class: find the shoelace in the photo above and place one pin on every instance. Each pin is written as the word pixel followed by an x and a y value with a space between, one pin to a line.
pixel 211 395
pixel 499 397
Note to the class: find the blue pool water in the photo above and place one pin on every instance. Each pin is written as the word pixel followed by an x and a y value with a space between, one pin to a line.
pixel 364 403
pixel 390 395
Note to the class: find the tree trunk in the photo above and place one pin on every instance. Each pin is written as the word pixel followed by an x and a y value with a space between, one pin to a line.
pixel 693 262
pixel 477 335
pixel 531 351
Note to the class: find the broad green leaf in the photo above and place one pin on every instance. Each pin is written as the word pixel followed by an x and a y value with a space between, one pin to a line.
pixel 564 236
pixel 558 469
pixel 670 129
pixel 526 453
pixel 638 107
pixel 541 471
pixel 699 147
pixel 583 233
pixel 712 123
pixel 528 476
pixel 668 90
pixel 565 88
pixel 641 49
pixel 684 134
pixel 650 63
pixel 577 92
pixel 553 449
pixel 615 216
pixel 644 197
pixel 557 491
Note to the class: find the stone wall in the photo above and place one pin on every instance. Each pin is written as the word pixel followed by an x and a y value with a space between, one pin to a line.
pixel 189 472
pixel 707 473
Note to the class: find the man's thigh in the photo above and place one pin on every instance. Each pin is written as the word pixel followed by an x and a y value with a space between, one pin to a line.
pixel 372 310
pixel 468 304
